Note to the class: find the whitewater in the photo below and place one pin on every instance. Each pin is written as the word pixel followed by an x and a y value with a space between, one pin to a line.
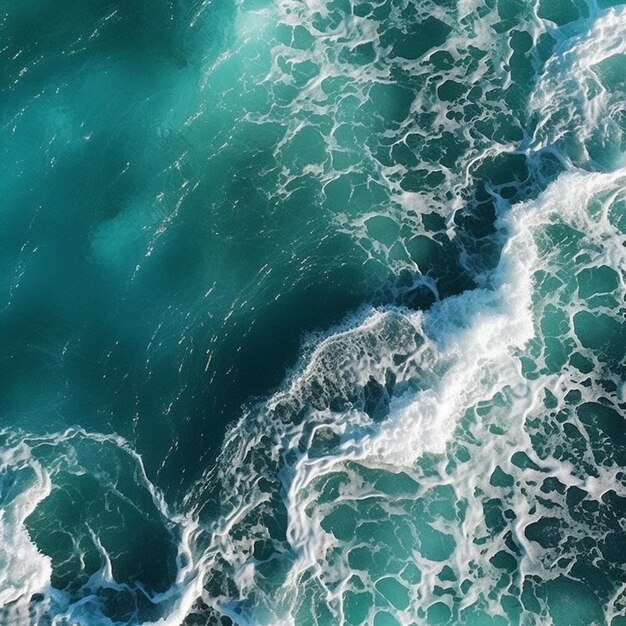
pixel 313 313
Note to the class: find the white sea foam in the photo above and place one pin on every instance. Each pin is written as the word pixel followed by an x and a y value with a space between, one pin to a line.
pixel 465 361
pixel 24 483
pixel 26 594
pixel 429 371
pixel 470 355
pixel 579 116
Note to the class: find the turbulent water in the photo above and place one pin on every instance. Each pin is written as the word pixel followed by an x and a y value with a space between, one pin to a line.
pixel 313 312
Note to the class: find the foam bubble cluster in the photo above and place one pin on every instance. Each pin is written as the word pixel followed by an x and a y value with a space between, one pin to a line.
pixel 453 452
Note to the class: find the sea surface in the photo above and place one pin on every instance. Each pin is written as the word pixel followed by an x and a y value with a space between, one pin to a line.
pixel 312 312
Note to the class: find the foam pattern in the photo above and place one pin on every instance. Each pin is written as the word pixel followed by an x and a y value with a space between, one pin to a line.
pixel 447 179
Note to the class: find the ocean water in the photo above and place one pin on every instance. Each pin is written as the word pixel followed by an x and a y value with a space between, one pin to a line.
pixel 313 312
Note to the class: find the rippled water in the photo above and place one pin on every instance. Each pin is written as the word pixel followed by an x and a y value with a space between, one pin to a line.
pixel 313 312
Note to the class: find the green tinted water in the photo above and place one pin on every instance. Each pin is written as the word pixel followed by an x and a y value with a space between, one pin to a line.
pixel 189 189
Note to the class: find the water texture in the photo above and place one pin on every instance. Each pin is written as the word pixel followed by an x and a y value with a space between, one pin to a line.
pixel 313 313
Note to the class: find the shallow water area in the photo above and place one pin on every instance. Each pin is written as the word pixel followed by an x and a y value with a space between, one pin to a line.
pixel 313 312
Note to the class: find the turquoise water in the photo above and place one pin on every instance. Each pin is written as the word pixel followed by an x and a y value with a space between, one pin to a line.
pixel 313 312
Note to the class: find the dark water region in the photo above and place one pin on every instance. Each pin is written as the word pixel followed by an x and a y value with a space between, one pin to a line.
pixel 190 188
pixel 100 334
